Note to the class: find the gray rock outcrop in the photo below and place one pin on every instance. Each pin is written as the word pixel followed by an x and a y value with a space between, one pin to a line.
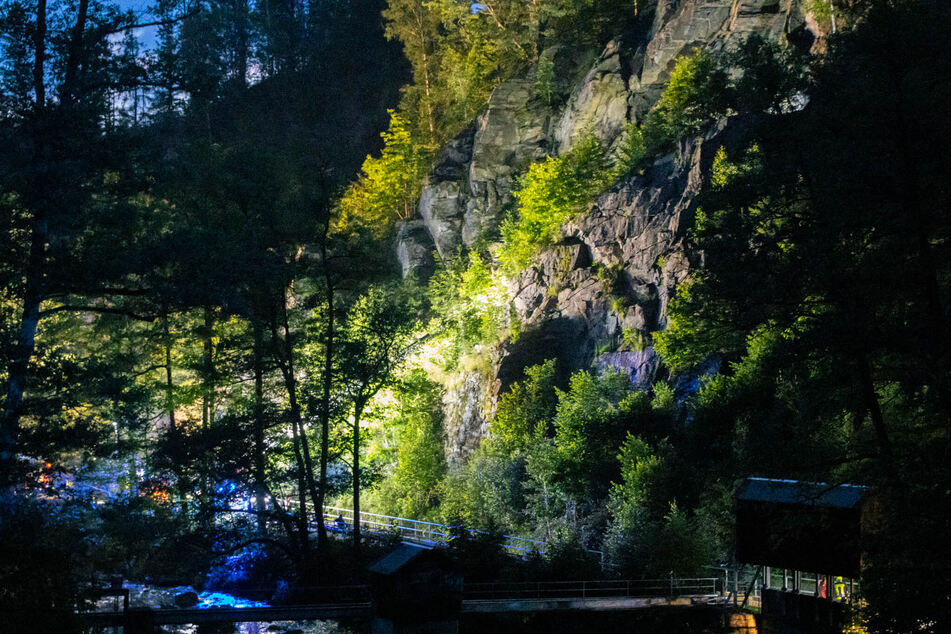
pixel 414 249
pixel 600 104
pixel 620 265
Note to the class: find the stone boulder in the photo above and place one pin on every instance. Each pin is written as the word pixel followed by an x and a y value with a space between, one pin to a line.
pixel 640 365
pixel 187 599
pixel 441 206
pixel 600 105
pixel 414 249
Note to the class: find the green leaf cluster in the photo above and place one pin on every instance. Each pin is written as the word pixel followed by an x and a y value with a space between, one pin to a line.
pixel 471 306
pixel 551 193
pixel 413 487
pixel 695 93
pixel 389 185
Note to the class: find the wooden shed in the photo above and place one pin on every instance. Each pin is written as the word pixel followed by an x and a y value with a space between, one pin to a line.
pixel 799 525
pixel 416 583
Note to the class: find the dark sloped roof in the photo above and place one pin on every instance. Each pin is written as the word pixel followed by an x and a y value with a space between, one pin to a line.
pixel 402 555
pixel 843 496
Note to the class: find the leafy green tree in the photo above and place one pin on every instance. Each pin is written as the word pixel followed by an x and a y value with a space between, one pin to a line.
pixel 695 94
pixel 589 428
pixel 377 337
pixel 524 413
pixel 470 305
pixel 389 186
pixel 421 460
pixel 649 535
pixel 630 152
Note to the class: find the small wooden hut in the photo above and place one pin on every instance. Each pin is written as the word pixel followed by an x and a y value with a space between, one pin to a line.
pixel 800 525
pixel 416 583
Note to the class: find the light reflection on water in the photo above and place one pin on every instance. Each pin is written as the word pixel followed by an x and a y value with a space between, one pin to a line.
pixel 156 596
pixel 223 600
pixel 278 627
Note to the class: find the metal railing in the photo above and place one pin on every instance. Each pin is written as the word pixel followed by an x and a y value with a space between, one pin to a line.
pixel 429 533
pixel 409 529
pixel 705 588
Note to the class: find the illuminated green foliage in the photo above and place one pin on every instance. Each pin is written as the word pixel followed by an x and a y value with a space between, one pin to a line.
pixel 523 413
pixel 545 77
pixel 412 489
pixel 389 185
pixel 551 193
pixel 471 306
pixel 694 94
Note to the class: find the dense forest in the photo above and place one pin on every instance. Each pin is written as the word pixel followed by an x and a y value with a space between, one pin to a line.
pixel 210 328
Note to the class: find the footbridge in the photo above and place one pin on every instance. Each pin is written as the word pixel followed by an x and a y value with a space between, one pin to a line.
pixel 340 519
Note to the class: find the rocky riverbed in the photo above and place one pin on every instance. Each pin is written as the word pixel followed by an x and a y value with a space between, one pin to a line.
pixel 159 597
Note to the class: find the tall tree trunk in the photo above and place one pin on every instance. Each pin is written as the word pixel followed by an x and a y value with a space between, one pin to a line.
pixel 39 56
pixel 175 435
pixel 75 54
pixel 23 352
pixel 424 59
pixel 302 446
pixel 241 45
pixel 357 413
pixel 207 405
pixel 33 291
pixel 874 409
pixel 298 440
pixel 260 488
pixel 325 409
pixel 169 384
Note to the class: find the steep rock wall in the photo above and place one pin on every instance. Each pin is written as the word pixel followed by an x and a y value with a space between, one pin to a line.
pixel 616 270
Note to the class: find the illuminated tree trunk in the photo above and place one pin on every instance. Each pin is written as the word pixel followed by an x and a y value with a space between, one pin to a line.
pixel 17 370
pixel 327 387
pixel 175 433
pixel 207 405
pixel 357 412
pixel 260 487
pixel 872 406
pixel 284 347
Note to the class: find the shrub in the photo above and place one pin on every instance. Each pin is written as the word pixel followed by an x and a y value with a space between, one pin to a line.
pixel 696 92
pixel 630 153
pixel 471 302
pixel 545 77
pixel 552 192
pixel 635 339
pixel 524 411
pixel 619 305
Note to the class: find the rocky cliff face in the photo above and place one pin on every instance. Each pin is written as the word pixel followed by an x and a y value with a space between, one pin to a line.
pixel 594 299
